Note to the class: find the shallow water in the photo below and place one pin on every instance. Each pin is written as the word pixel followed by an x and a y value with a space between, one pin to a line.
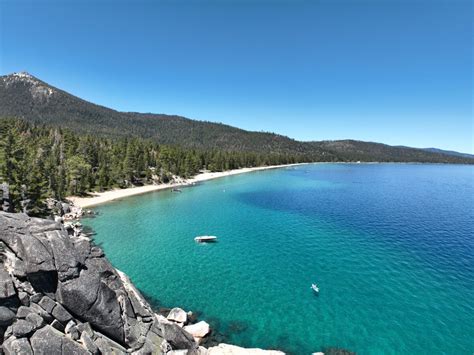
pixel 391 246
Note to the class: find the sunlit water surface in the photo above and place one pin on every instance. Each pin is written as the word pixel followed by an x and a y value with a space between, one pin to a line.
pixel 391 246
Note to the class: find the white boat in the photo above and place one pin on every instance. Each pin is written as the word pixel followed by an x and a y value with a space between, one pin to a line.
pixel 206 239
pixel 315 288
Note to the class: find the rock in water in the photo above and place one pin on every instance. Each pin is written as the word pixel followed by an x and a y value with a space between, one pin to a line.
pixel 198 330
pixel 178 315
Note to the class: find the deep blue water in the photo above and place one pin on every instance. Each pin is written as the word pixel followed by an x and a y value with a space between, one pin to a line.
pixel 391 246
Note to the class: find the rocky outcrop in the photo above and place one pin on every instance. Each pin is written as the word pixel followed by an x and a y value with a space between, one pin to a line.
pixel 60 295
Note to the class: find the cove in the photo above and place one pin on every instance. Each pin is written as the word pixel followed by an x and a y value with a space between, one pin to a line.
pixel 390 245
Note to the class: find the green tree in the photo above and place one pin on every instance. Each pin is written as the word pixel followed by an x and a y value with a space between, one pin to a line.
pixel 78 171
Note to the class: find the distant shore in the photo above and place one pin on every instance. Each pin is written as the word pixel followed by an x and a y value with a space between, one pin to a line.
pixel 97 198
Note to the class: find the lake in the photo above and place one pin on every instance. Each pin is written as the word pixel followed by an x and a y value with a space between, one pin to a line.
pixel 391 247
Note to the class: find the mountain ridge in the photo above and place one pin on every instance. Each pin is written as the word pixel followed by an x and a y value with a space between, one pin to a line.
pixel 24 96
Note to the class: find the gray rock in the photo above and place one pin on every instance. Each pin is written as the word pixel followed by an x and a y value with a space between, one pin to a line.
pixel 96 252
pixel 178 315
pixel 23 312
pixel 6 317
pixel 165 347
pixel 8 296
pixel 85 328
pixel 40 225
pixel 40 311
pixel 72 347
pixel 176 336
pixel 152 344
pixel 19 268
pixel 90 298
pixel 89 344
pixel 7 288
pixel 8 332
pixel 108 346
pixel 50 341
pixel 36 297
pixel 24 298
pixel 105 314
pixel 40 268
pixel 65 260
pixel 22 285
pixel 82 247
pixel 79 294
pixel 72 331
pixel 35 319
pixel 57 325
pixel 198 330
pixel 13 228
pixel 69 325
pixel 47 304
pixel 199 351
pixel 60 313
pixel 22 328
pixel 16 346
pixel 47 341
pixel 140 306
pixel 126 305
pixel 66 208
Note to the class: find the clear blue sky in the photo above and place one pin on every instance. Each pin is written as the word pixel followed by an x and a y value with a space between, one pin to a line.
pixel 392 71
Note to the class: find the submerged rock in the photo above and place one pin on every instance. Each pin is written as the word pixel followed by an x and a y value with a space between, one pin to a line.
pixel 337 351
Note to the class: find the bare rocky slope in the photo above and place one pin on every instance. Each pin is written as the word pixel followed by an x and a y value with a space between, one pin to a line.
pixel 60 295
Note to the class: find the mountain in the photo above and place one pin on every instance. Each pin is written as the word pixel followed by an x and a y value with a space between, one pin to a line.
pixel 24 96
pixel 449 152
pixel 352 150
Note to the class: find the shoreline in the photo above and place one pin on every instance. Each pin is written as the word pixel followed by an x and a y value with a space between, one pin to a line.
pixel 98 198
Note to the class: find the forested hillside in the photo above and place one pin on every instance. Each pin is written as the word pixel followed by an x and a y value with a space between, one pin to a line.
pixel 24 96
pixel 39 162
pixel 351 150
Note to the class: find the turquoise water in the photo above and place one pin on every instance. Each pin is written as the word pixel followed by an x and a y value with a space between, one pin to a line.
pixel 391 246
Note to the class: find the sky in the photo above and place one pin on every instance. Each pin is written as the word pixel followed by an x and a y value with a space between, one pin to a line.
pixel 393 71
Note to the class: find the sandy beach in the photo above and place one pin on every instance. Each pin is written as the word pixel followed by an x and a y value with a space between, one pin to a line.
pixel 97 198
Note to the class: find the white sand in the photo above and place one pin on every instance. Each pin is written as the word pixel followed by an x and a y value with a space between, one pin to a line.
pixel 101 197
